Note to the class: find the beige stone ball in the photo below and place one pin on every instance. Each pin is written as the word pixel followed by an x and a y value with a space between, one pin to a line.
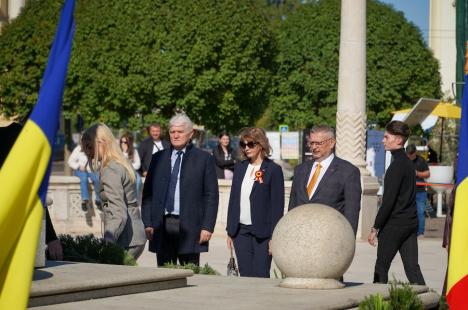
pixel 313 241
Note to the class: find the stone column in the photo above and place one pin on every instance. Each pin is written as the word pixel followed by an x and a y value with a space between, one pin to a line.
pixel 14 8
pixel 351 112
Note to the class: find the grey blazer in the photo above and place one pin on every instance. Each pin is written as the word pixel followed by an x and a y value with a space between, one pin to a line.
pixel 340 188
pixel 122 218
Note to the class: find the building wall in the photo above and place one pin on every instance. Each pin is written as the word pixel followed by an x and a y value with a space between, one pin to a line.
pixel 442 40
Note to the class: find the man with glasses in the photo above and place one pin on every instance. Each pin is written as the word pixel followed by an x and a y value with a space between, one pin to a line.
pixel 327 179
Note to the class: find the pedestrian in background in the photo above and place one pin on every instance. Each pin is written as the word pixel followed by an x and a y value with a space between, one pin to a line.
pixel 422 172
pixel 224 157
pixel 256 204
pixel 131 154
pixel 79 163
pixel 153 144
pixel 122 219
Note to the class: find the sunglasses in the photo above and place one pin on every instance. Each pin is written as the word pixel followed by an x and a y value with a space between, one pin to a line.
pixel 250 144
pixel 123 142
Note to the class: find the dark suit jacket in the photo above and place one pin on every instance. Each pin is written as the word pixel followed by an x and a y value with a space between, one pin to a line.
pixel 266 199
pixel 221 163
pixel 199 197
pixel 340 188
pixel 145 150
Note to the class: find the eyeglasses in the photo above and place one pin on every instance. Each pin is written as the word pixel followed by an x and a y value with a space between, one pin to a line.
pixel 319 143
pixel 250 144
pixel 123 142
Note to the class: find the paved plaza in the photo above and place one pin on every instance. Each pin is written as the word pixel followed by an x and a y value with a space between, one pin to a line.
pixel 432 259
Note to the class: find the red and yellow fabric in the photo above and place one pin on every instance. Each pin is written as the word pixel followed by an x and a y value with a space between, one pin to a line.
pixel 457 282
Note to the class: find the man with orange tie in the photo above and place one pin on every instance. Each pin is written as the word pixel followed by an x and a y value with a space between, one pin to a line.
pixel 327 179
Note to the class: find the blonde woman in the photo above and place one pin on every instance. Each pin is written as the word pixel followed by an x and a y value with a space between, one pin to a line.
pixel 122 218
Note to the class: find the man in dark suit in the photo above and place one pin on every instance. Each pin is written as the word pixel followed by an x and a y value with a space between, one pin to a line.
pixel 154 143
pixel 327 179
pixel 180 198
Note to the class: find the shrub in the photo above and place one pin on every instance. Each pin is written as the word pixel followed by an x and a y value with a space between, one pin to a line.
pixel 402 297
pixel 206 269
pixel 89 249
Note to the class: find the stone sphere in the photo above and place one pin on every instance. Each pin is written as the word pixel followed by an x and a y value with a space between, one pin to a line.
pixel 313 241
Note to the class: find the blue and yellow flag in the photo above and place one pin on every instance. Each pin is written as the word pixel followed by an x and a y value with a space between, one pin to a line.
pixel 25 174
pixel 457 281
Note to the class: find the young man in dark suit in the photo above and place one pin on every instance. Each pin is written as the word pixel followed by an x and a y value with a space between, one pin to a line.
pixel 154 143
pixel 180 198
pixel 327 179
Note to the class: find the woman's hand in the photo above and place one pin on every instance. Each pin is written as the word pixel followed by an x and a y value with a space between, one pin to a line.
pixel 269 247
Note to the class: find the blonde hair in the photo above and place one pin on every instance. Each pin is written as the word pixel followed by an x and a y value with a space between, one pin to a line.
pixel 256 135
pixel 100 134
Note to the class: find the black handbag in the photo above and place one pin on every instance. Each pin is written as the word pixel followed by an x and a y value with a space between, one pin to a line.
pixel 232 269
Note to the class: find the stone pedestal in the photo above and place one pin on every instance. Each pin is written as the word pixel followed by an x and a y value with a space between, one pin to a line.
pixel 40 260
pixel 313 245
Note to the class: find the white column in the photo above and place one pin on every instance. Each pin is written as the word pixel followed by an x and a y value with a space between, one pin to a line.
pixel 14 8
pixel 351 114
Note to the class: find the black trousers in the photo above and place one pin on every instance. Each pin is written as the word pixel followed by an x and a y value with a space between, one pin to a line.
pixel 169 253
pixel 391 240
pixel 252 253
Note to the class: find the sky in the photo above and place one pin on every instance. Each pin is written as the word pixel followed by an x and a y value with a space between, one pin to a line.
pixel 416 11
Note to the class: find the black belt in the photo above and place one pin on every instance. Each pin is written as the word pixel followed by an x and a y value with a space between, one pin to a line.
pixel 174 216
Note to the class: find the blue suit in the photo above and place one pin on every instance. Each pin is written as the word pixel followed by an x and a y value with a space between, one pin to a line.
pixel 199 197
pixel 267 207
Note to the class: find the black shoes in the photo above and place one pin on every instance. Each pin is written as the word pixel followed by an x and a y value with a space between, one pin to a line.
pixel 84 205
pixel 98 204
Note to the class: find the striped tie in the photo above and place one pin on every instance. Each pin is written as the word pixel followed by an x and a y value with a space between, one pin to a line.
pixel 313 180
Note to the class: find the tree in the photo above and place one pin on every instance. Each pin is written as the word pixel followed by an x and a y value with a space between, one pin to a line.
pixel 400 67
pixel 138 61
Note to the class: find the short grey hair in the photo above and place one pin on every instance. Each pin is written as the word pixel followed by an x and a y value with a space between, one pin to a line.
pixel 323 129
pixel 181 119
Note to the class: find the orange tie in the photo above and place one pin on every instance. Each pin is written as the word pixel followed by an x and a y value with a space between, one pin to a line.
pixel 313 180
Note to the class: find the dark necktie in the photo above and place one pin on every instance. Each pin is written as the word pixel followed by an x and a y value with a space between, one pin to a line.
pixel 169 205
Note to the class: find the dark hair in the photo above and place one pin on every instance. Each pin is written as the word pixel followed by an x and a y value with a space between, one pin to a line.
pixel 411 149
pixel 131 148
pixel 398 128
pixel 224 133
pixel 157 125
pixel 88 141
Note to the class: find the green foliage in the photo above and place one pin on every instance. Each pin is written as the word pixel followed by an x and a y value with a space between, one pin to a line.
pixel 89 249
pixel 206 269
pixel 138 61
pixel 400 67
pixel 374 302
pixel 402 297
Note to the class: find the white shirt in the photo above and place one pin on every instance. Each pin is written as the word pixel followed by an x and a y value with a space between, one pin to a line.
pixel 136 161
pixel 177 189
pixel 157 146
pixel 78 159
pixel 325 164
pixel 246 190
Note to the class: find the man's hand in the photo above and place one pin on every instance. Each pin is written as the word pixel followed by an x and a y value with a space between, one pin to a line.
pixel 149 233
pixel 230 244
pixel 144 173
pixel 205 236
pixel 269 247
pixel 372 237
pixel 55 250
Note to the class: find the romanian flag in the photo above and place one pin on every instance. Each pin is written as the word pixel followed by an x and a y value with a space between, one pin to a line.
pixel 24 175
pixel 457 282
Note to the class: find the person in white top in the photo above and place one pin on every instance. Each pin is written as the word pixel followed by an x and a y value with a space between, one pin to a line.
pixel 256 204
pixel 79 163
pixel 131 153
